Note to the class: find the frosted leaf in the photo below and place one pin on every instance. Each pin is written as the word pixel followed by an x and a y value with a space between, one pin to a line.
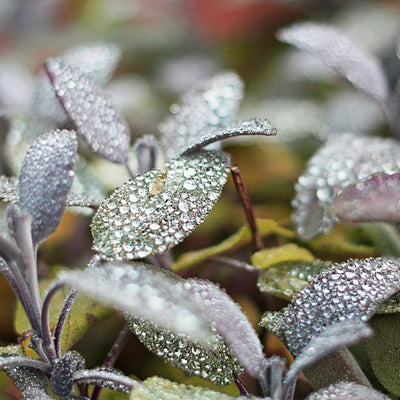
pixel 45 179
pixel 240 128
pixel 350 290
pixel 8 189
pixel 376 198
pixel 343 55
pixel 213 361
pixel 330 339
pixel 35 394
pixel 347 391
pixel 92 113
pixel 163 389
pixel 144 292
pixel 230 322
pixel 156 211
pixel 344 160
pixel 209 106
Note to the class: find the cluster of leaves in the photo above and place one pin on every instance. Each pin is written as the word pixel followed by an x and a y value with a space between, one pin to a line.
pixel 193 323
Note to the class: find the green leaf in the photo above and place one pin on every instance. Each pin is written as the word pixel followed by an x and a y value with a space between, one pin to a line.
pixel 163 389
pixel 242 237
pixel 384 351
pixel 284 280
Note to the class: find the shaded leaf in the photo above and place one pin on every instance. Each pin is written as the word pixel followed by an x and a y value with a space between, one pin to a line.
pixel 344 160
pixel 376 198
pixel 45 179
pixel 347 391
pixel 163 389
pixel 156 211
pixel 206 108
pixel 143 291
pixel 288 278
pixel 349 290
pixel 146 149
pixel 275 322
pixel 92 113
pixel 8 189
pixel 343 55
pixel 230 322
pixel 213 361
pixel 383 351
pixel 240 238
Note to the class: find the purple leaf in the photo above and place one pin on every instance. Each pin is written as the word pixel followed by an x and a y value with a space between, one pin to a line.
pixel 206 108
pixel 347 391
pixel 343 161
pixel 376 198
pixel 350 290
pixel 45 180
pixel 92 113
pixel 343 55
pixel 231 324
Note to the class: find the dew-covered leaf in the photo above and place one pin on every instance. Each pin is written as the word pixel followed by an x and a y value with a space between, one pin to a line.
pixel 376 198
pixel 350 290
pixel 240 128
pixel 230 322
pixel 347 391
pixel 209 106
pixel 156 211
pixel 145 292
pixel 213 361
pixel 344 160
pixel 45 180
pixel 8 189
pixel 286 279
pixel 242 237
pixel 330 339
pixel 92 113
pixel 163 389
pixel 343 55
pixel 384 352
pixel 35 394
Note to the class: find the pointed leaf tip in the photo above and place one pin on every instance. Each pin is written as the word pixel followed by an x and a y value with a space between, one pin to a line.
pixel 45 180
pixel 92 113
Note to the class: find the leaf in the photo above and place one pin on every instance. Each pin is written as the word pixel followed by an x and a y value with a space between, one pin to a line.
pixel 163 389
pixel 147 150
pixel 156 211
pixel 284 280
pixel 266 258
pixel 45 179
pixel 343 161
pixel 383 351
pixel 347 391
pixel 213 361
pixel 35 394
pixel 376 198
pixel 92 113
pixel 209 106
pixel 143 291
pixel 349 290
pixel 230 322
pixel 343 55
pixel 242 237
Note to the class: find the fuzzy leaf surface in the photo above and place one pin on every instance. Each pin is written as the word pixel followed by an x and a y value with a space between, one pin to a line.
pixel 156 211
pixel 376 198
pixel 92 113
pixel 349 290
pixel 230 322
pixel 206 108
pixel 343 55
pixel 45 180
pixel 145 292
pixel 347 391
pixel 344 160
pixel 35 394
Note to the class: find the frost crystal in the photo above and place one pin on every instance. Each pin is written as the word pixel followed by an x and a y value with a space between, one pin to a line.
pixel 347 291
pixel 45 179
pixel 92 113
pixel 156 211
pixel 213 362
pixel 344 160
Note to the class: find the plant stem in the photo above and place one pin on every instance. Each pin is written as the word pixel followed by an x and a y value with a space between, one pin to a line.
pixel 92 376
pixel 245 200
pixel 18 361
pixel 234 263
pixel 242 387
pixel 385 237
